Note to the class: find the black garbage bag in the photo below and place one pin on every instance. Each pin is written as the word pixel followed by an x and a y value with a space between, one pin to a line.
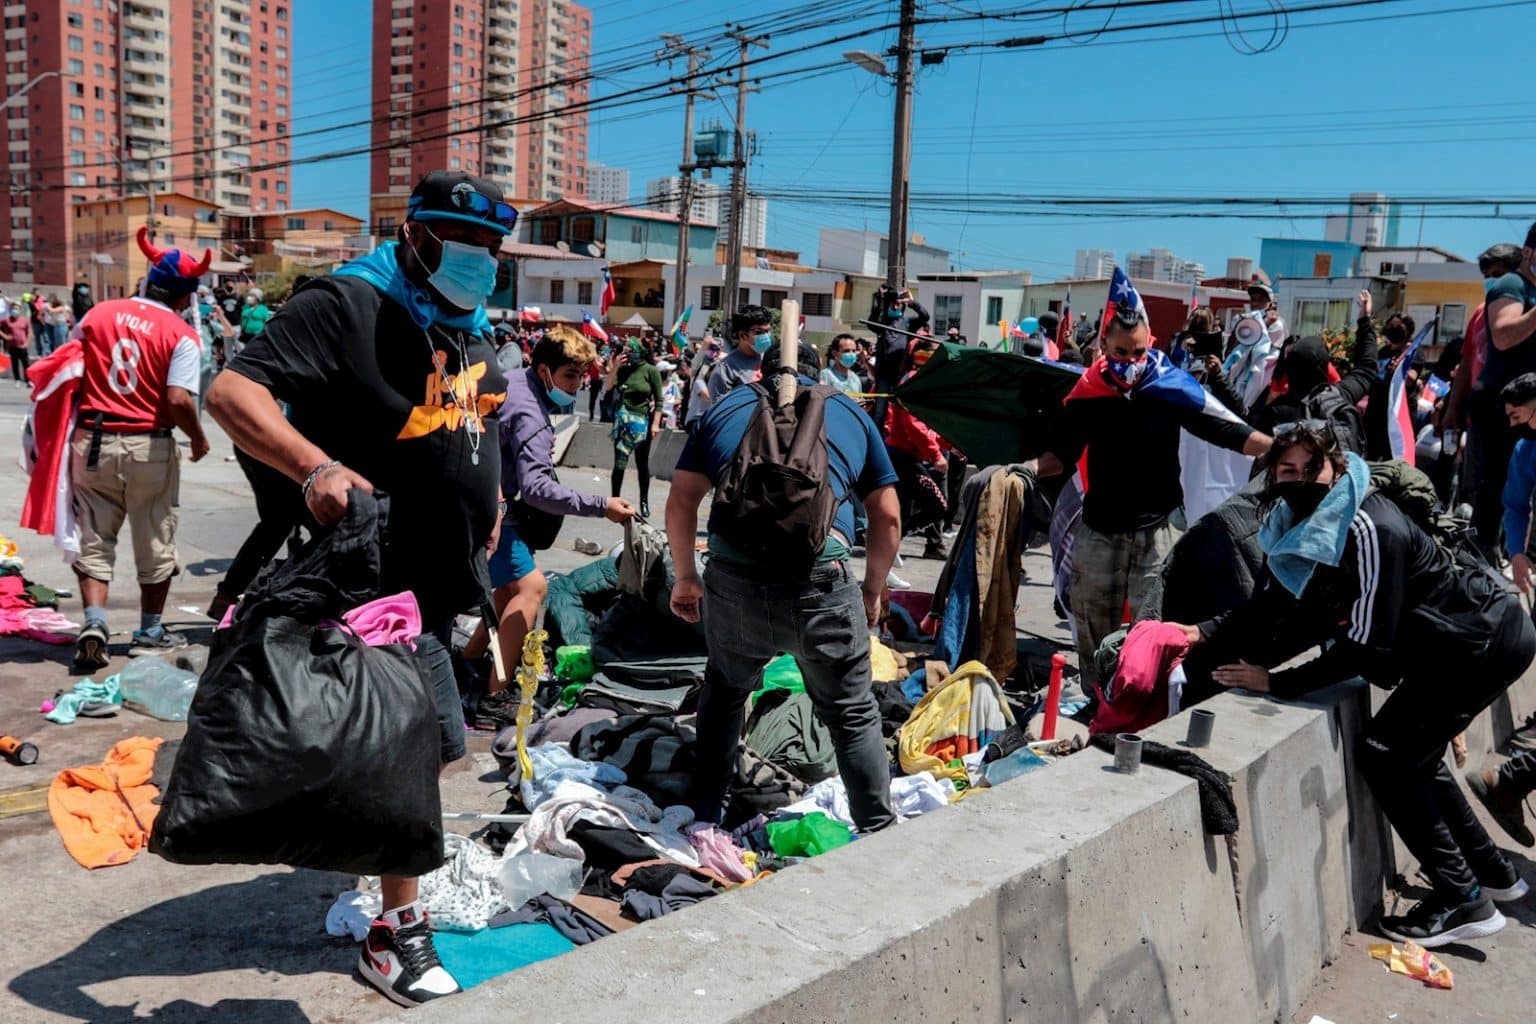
pixel 304 745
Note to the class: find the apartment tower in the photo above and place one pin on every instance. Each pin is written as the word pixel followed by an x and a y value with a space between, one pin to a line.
pixel 134 97
pixel 482 86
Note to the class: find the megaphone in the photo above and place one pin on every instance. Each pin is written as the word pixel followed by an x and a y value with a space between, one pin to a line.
pixel 1250 330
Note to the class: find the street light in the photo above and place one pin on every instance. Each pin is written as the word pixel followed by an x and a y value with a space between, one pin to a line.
pixel 873 63
pixel 19 93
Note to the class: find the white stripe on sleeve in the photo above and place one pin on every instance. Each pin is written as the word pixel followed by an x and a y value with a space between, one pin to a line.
pixel 1368 567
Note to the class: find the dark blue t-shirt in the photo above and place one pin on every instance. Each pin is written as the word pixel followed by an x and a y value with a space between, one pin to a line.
pixel 856 456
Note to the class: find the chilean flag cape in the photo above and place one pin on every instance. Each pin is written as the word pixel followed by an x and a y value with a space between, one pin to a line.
pixel 1399 416
pixel 49 508
pixel 1161 381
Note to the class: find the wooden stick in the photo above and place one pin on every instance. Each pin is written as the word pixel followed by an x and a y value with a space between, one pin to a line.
pixel 789 351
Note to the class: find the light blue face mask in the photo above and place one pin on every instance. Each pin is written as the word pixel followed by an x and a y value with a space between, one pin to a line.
pixel 848 358
pixel 465 274
pixel 1488 283
pixel 762 343
pixel 564 399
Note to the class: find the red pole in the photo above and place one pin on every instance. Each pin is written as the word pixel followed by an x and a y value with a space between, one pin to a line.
pixel 1053 696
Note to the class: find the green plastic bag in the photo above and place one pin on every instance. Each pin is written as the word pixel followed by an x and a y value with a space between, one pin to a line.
pixel 574 664
pixel 782 673
pixel 809 836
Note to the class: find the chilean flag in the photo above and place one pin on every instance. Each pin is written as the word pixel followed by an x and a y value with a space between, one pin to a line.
pixel 1399 415
pixel 49 506
pixel 609 297
pixel 1121 293
pixel 591 328
pixel 1161 381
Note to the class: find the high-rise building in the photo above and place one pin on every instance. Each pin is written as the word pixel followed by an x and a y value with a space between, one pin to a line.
pixel 1154 265
pixel 482 86
pixel 1372 220
pixel 754 224
pixel 706 198
pixel 138 97
pixel 1093 264
pixel 607 186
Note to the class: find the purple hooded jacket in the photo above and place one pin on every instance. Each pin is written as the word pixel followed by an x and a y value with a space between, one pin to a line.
pixel 528 452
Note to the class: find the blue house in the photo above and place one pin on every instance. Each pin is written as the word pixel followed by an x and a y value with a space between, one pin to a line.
pixel 1308 257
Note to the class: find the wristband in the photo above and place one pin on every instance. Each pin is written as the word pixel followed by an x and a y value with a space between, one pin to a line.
pixel 314 474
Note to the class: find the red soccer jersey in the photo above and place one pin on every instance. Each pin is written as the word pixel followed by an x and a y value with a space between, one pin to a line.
pixel 134 350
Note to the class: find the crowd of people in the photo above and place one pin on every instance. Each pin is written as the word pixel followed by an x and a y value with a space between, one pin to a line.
pixel 389 377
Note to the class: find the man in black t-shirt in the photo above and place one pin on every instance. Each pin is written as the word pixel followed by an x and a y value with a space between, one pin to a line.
pixel 392 384
pixel 1125 416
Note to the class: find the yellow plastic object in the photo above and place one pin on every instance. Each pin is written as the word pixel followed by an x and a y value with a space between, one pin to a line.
pixel 528 675
pixel 1415 961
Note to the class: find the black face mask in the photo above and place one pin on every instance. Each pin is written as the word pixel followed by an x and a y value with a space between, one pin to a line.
pixel 1301 496
pixel 1526 432
pixel 1396 334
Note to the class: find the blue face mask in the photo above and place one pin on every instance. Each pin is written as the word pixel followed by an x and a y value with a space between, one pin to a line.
pixel 762 343
pixel 564 399
pixel 894 313
pixel 848 358
pixel 465 274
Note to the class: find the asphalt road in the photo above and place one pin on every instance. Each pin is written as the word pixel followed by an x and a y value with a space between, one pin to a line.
pixel 155 941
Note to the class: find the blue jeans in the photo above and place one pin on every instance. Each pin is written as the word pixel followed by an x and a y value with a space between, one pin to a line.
pixel 822 623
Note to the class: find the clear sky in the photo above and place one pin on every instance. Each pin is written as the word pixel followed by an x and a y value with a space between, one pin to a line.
pixel 1377 100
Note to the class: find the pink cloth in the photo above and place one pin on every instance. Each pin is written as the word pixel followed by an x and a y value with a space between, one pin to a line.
pixel 384 621
pixel 20 616
pixel 718 853
pixel 395 619
pixel 1151 651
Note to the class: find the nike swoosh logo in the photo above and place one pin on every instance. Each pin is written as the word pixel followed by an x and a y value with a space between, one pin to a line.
pixel 382 966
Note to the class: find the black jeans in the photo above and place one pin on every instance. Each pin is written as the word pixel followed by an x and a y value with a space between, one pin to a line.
pixel 822 623
pixel 1402 756
pixel 279 511
pixel 20 360
pixel 594 392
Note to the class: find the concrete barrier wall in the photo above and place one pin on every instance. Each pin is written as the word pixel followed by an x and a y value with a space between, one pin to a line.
pixel 1071 894
pixel 591 446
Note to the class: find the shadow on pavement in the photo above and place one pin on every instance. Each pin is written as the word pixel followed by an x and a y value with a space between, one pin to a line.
pixel 268 924
pixel 210 567
pixel 15 650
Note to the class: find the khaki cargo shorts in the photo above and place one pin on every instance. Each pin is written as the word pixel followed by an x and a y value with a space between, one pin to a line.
pixel 138 478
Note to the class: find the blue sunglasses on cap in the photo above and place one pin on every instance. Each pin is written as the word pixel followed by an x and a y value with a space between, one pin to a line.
pixel 473 204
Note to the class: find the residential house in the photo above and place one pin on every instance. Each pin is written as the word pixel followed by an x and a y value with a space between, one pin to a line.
pixel 314 240
pixel 105 231
pixel 974 301
pixel 865 252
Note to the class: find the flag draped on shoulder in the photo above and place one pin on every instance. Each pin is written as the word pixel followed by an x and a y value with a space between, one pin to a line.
pixel 49 504
pixel 1161 381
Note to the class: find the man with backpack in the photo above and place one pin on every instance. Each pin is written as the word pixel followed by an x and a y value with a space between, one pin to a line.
pixel 778 578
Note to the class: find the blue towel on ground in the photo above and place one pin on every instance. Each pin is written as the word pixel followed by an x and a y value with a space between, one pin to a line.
pixel 473 957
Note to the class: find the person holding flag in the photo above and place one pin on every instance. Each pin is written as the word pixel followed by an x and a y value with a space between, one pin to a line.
pixel 1390 431
pixel 1121 428
pixel 679 335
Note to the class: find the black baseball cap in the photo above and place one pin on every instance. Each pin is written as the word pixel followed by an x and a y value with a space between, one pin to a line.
pixel 454 195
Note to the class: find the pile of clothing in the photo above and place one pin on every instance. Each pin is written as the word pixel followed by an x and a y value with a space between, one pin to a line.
pixel 29 610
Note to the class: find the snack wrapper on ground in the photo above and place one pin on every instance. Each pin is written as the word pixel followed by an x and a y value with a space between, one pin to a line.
pixel 1415 961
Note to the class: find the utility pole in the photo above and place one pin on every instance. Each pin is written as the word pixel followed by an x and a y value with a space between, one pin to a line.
pixel 901 150
pixel 729 301
pixel 676 47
